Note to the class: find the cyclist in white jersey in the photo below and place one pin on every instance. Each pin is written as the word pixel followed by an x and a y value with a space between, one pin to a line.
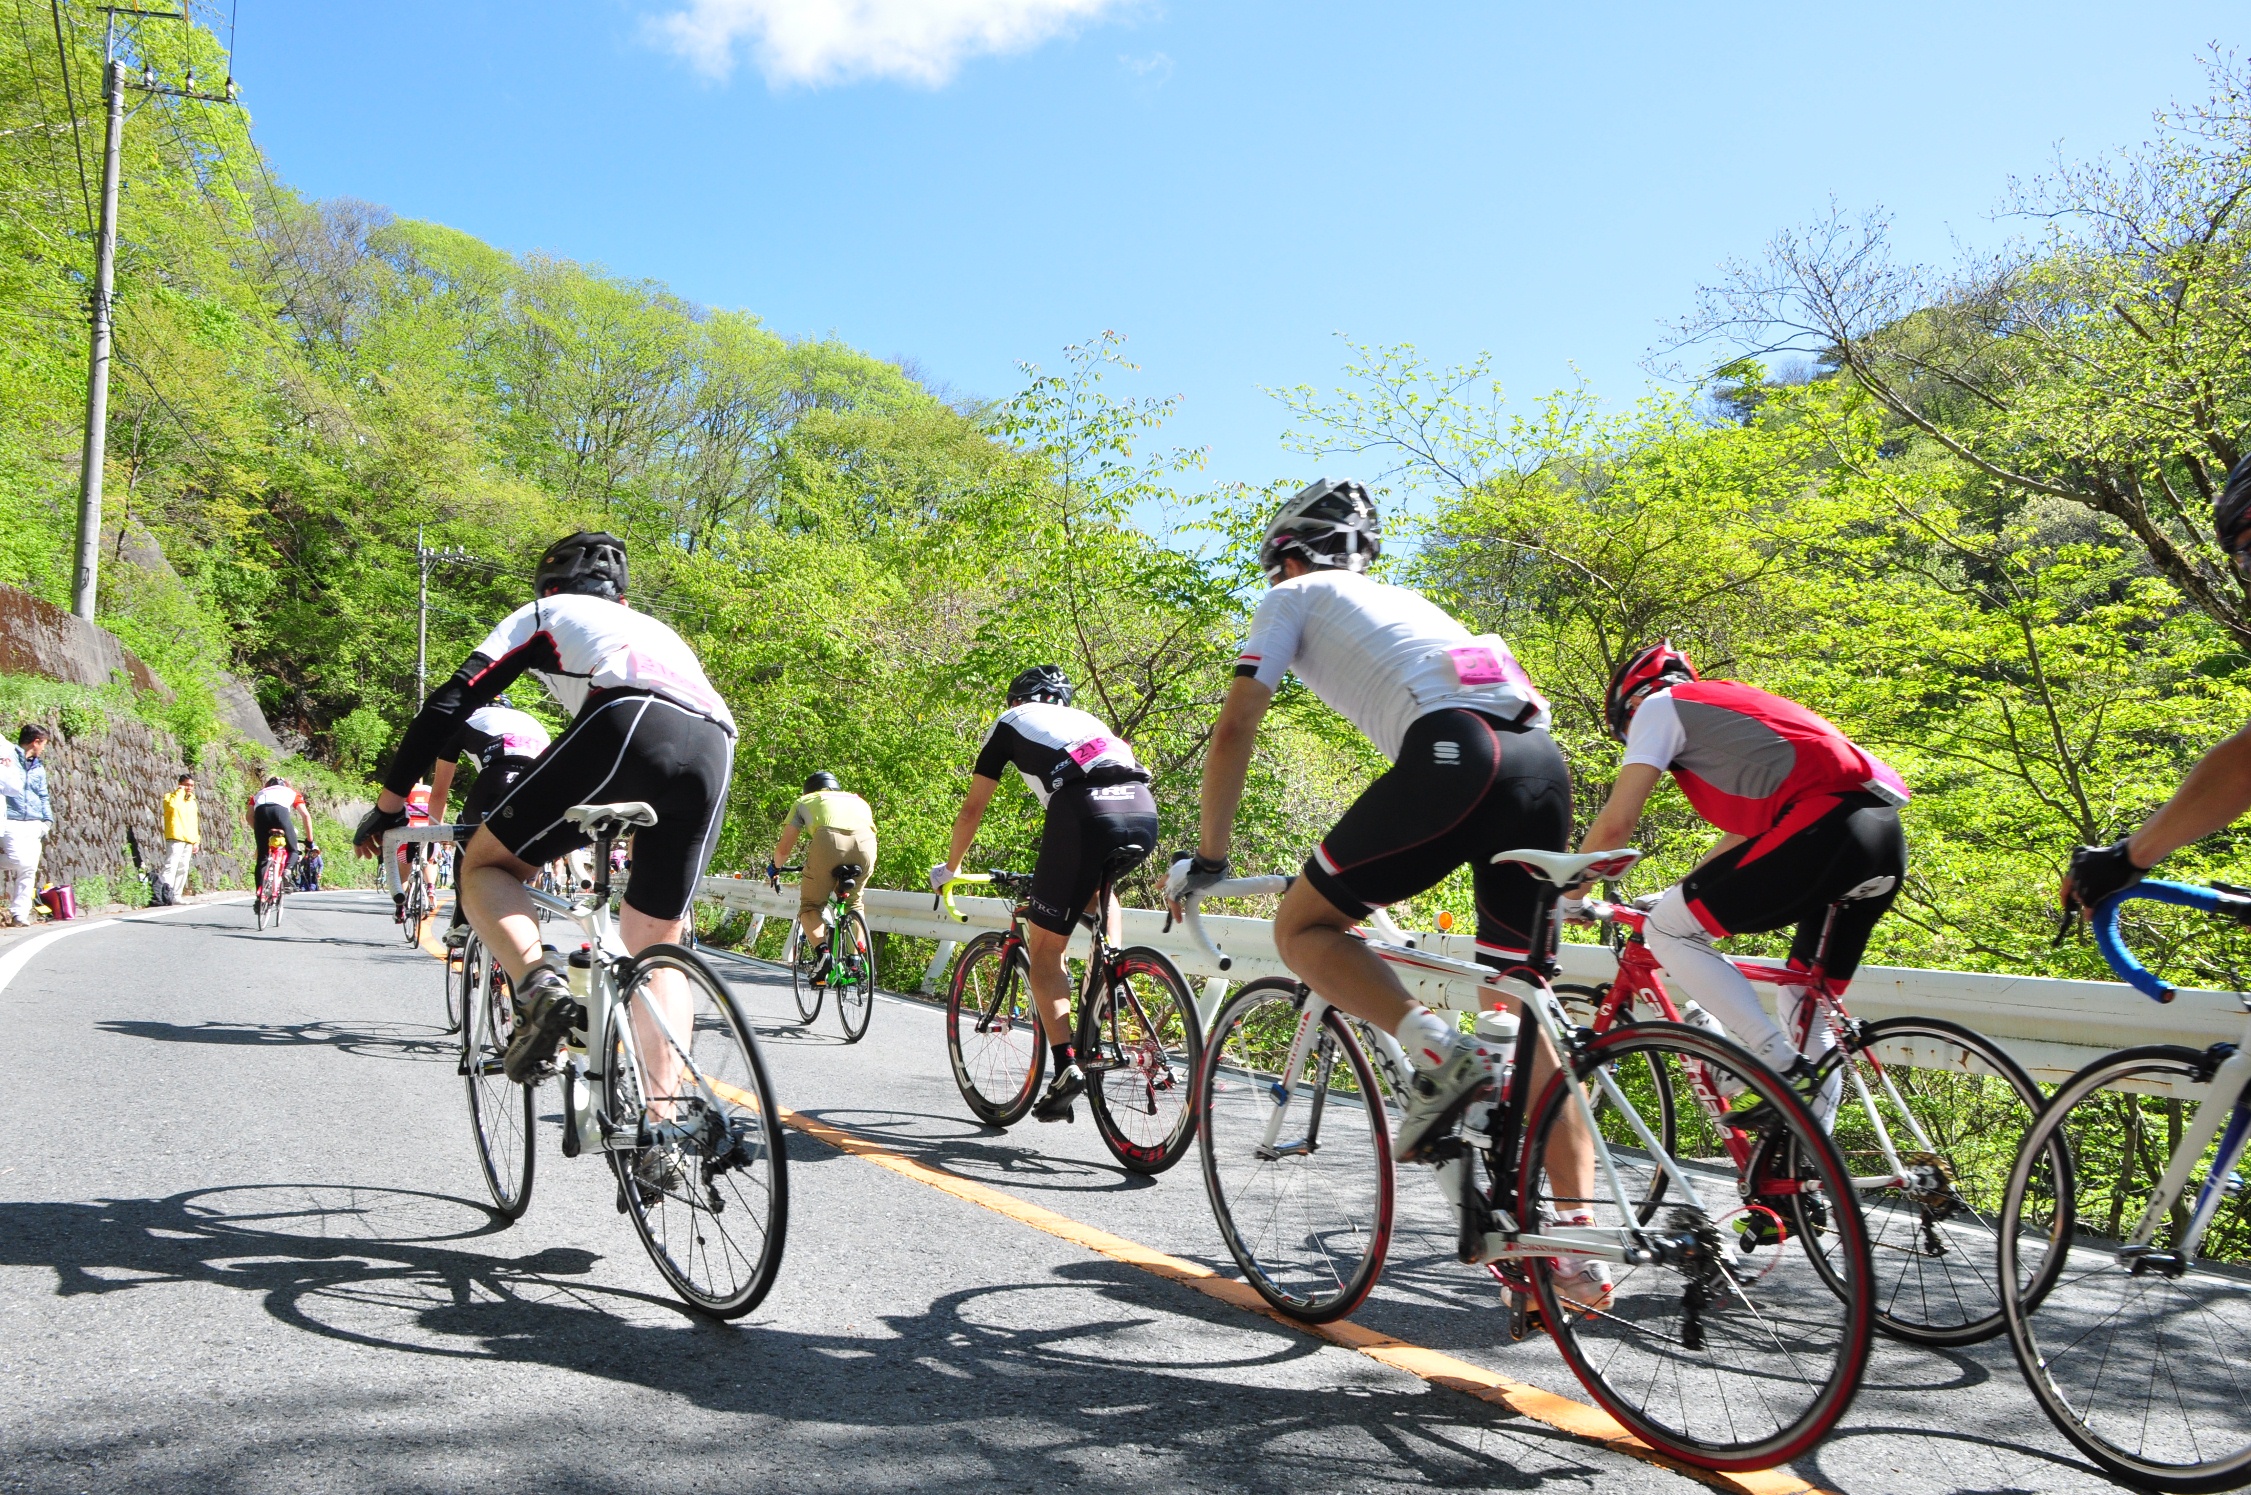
pixel 647 726
pixel 1097 801
pixel 1473 772
pixel 502 742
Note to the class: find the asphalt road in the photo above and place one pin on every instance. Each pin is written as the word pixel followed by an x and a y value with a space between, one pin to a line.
pixel 244 1247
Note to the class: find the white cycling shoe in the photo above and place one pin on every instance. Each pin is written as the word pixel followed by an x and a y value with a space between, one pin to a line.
pixel 1434 1096
pixel 1581 1282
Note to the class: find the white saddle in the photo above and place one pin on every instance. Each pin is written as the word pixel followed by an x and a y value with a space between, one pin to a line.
pixel 600 820
pixel 1566 868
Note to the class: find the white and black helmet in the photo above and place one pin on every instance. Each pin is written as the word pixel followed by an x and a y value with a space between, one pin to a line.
pixel 1331 522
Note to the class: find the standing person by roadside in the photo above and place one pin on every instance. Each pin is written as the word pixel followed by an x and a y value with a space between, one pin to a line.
pixel 182 834
pixel 30 817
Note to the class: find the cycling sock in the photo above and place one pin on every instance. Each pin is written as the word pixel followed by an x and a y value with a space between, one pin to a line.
pixel 1427 1037
pixel 1683 946
pixel 1065 1056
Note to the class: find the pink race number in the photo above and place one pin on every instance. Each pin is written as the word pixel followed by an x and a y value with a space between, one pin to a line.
pixel 1083 753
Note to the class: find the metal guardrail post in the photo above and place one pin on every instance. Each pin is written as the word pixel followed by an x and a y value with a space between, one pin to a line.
pixel 1208 999
pixel 937 968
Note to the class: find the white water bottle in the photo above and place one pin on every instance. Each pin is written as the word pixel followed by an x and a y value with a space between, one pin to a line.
pixel 1725 1085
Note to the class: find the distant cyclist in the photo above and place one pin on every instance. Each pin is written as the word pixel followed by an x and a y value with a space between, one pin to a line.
pixel 2217 790
pixel 412 861
pixel 1097 800
pixel 502 742
pixel 1473 773
pixel 268 811
pixel 1808 819
pixel 837 827
pixel 646 725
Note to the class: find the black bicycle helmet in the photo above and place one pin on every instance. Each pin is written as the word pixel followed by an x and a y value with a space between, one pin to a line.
pixel 2231 517
pixel 590 563
pixel 1331 522
pixel 1042 682
pixel 822 780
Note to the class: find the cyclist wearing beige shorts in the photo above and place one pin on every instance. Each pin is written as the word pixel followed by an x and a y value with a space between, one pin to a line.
pixel 837 828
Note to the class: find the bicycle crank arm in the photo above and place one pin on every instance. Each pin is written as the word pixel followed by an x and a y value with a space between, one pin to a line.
pixel 1502 1245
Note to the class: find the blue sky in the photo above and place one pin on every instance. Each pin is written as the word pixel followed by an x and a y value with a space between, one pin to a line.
pixel 1230 184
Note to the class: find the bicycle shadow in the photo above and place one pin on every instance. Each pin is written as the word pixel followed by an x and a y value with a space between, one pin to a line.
pixel 1118 1395
pixel 958 1145
pixel 382 1040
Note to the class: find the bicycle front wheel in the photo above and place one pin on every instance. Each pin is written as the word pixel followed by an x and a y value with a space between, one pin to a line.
pixel 1728 1351
pixel 853 976
pixel 992 1032
pixel 695 1134
pixel 458 984
pixel 417 908
pixel 1950 1106
pixel 1140 1045
pixel 1652 1092
pixel 504 1117
pixel 804 953
pixel 1300 1176
pixel 2139 1357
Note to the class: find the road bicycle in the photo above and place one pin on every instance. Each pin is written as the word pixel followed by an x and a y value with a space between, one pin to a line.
pixel 1137 1036
pixel 1929 1119
pixel 273 880
pixel 416 911
pixel 2126 1243
pixel 1718 1343
pixel 843 962
pixel 662 1075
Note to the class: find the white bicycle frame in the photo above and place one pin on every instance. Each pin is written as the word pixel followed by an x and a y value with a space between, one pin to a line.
pixel 2229 1104
pixel 1623 1244
pixel 588 1127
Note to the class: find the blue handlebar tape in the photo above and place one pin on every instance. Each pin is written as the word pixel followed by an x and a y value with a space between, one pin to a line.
pixel 2121 959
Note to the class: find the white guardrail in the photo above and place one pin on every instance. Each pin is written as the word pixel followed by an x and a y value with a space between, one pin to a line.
pixel 2051 1027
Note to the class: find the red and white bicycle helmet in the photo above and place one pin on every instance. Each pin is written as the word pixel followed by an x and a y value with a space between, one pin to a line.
pixel 1653 669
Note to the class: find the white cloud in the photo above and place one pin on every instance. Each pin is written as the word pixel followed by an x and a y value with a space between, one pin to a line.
pixel 814 42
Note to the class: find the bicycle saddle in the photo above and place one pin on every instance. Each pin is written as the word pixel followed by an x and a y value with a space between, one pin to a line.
pixel 1563 868
pixel 849 872
pixel 608 820
pixel 1123 857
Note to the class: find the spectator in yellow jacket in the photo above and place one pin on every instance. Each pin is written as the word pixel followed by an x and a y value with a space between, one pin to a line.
pixel 182 834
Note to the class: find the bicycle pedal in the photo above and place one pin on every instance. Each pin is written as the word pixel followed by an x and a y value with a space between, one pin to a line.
pixel 1068 1113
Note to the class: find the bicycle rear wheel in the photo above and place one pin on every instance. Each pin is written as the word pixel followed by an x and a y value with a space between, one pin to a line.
pixel 1935 1238
pixel 458 983
pixel 697 1133
pixel 1141 1045
pixel 992 1032
pixel 417 907
pixel 1729 1351
pixel 853 976
pixel 1307 1215
pixel 2141 1360
pixel 504 1117
pixel 803 954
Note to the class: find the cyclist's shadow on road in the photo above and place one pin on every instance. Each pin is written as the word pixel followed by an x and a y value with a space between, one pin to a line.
pixel 1078 1379
pixel 382 1040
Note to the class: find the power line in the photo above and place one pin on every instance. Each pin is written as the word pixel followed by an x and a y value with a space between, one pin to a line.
pixel 46 111
pixel 85 188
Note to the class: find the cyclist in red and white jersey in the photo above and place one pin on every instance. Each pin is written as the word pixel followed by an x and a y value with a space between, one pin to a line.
pixel 269 810
pixel 1097 800
pixel 647 726
pixel 1474 772
pixel 1808 819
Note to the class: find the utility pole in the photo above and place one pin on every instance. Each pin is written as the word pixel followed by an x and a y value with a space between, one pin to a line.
pixel 94 454
pixel 424 559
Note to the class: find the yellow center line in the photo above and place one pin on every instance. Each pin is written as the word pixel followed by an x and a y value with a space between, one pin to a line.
pixel 1588 1424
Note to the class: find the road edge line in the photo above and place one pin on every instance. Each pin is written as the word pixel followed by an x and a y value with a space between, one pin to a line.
pixel 1576 1419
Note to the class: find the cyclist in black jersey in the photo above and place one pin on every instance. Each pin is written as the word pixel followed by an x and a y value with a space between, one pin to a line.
pixel 647 726
pixel 502 742
pixel 1097 799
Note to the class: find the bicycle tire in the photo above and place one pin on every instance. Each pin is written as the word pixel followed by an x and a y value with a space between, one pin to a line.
pixel 503 1116
pixel 1658 1367
pixel 458 982
pixel 700 1160
pixel 2140 1421
pixel 1582 1004
pixel 808 993
pixel 852 974
pixel 993 1036
pixel 1310 1225
pixel 1936 1244
pixel 417 907
pixel 1140 1044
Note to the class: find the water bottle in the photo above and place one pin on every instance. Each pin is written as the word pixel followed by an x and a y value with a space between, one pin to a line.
pixel 1725 1086
pixel 1495 1031
pixel 582 972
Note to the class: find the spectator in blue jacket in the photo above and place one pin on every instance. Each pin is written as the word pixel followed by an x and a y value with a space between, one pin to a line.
pixel 30 817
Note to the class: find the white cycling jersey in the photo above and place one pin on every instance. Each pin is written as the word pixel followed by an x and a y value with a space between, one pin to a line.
pixel 577 643
pixel 496 732
pixel 1382 656
pixel 1050 745
pixel 284 796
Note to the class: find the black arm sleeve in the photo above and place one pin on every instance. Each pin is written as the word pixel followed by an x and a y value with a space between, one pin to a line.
pixel 475 684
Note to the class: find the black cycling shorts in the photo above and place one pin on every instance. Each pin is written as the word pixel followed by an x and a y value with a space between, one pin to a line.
pixel 265 819
pixel 1086 823
pixel 1465 786
pixel 1822 849
pixel 628 745
pixel 491 784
